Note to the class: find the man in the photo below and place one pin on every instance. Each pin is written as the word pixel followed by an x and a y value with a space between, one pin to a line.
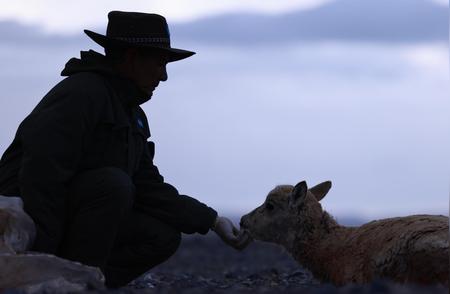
pixel 84 169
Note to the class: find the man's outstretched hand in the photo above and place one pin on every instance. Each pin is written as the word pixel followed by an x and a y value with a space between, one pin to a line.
pixel 230 234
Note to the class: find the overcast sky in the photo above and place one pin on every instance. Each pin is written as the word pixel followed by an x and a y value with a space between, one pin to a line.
pixel 72 16
pixel 235 120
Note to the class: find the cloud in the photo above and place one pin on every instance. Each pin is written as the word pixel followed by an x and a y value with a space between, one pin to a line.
pixel 348 20
pixel 72 16
pixel 352 20
pixel 441 2
pixel 429 57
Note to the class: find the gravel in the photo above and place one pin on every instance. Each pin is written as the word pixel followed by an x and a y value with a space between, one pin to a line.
pixel 204 264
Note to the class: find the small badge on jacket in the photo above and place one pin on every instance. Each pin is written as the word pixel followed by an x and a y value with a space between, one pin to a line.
pixel 140 123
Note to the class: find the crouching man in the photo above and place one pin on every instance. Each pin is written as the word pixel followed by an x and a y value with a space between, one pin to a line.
pixel 83 166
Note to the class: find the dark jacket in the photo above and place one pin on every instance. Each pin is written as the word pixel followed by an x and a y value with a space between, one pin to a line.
pixel 89 120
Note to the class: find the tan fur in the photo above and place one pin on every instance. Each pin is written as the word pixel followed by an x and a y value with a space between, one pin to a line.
pixel 404 249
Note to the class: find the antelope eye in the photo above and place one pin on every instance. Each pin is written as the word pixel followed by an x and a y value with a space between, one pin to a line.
pixel 269 206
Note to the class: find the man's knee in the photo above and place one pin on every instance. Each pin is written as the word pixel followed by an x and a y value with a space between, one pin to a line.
pixel 116 182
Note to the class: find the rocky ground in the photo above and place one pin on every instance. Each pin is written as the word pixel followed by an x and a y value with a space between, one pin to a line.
pixel 203 264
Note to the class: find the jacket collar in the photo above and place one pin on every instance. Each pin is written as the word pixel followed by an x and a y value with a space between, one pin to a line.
pixel 92 61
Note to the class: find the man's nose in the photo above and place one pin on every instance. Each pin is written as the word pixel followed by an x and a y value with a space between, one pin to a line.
pixel 163 76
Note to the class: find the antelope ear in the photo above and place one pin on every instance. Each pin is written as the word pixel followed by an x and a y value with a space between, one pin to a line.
pixel 299 192
pixel 319 191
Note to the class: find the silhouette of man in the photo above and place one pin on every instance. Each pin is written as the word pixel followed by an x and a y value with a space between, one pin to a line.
pixel 84 169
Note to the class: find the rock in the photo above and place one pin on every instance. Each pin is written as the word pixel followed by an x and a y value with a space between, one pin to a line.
pixel 35 272
pixel 144 282
pixel 17 230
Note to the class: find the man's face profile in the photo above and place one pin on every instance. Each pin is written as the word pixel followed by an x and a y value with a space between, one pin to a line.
pixel 147 68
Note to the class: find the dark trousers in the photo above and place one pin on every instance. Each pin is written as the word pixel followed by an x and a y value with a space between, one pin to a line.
pixel 105 230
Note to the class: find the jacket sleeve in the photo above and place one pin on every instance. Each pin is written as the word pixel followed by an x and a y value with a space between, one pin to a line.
pixel 162 201
pixel 53 136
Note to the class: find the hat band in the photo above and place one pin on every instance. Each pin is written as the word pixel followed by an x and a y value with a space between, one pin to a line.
pixel 144 40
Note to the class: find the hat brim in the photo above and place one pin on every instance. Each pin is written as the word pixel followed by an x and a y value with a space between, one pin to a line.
pixel 105 41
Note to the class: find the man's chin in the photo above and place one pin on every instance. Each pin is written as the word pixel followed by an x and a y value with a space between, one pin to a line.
pixel 144 97
pixel 149 92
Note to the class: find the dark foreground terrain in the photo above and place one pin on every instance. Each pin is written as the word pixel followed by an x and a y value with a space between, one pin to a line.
pixel 203 264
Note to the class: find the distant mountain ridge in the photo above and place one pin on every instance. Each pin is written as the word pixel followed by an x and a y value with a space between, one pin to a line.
pixel 344 20
pixel 362 20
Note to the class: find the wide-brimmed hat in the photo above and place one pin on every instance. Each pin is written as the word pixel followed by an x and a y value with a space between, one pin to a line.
pixel 136 29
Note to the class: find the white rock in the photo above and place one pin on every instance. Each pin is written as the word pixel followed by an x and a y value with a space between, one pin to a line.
pixel 17 230
pixel 31 271
pixel 36 272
